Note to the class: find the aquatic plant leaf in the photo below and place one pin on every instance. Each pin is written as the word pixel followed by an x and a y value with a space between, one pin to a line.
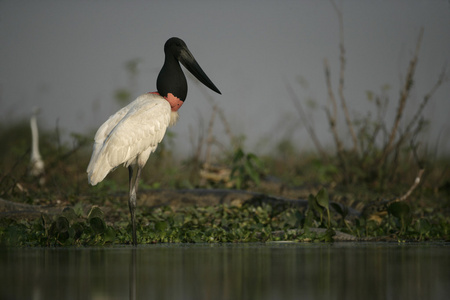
pixel 161 226
pixel 45 220
pixel 110 234
pixel 399 209
pixel 78 230
pixel 62 224
pixel 78 209
pixel 422 226
pixel 322 198
pixel 328 236
pixel 312 203
pixel 340 209
pixel 95 212
pixel 238 155
pixel 238 181
pixel 71 232
pixel 309 215
pixel 69 213
pixel 97 224
pixel 251 171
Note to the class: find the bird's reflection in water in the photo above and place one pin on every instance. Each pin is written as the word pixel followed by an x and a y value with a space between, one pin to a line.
pixel 132 277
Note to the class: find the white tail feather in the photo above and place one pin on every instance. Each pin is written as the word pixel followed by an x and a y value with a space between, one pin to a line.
pixel 98 167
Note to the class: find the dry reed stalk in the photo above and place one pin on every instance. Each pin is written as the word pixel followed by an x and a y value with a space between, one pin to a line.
pixel 306 121
pixel 332 116
pixel 342 62
pixel 404 95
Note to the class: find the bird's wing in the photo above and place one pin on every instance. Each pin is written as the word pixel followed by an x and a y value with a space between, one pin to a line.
pixel 103 132
pixel 137 128
pixel 108 126
pixel 143 127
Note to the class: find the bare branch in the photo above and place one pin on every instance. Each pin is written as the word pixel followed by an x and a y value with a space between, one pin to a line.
pixel 197 146
pixel 426 99
pixel 413 186
pixel 332 116
pixel 210 137
pixel 342 61
pixel 225 123
pixel 404 95
pixel 227 127
pixel 304 119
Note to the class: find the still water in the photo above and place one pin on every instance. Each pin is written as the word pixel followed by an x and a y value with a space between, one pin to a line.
pixel 242 271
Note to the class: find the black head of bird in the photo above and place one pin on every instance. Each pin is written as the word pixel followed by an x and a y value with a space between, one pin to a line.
pixel 171 79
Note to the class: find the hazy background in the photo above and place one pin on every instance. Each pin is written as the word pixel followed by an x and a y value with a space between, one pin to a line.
pixel 68 58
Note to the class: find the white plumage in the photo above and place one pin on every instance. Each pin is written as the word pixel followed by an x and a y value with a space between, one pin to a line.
pixel 129 136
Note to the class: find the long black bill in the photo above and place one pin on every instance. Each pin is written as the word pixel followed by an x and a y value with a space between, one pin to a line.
pixel 189 62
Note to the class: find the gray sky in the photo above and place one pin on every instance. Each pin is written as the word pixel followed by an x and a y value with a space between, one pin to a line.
pixel 68 57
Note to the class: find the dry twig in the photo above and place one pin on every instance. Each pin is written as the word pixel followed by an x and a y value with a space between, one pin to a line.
pixel 404 94
pixel 304 119
pixel 210 137
pixel 332 116
pixel 219 111
pixel 413 187
pixel 416 118
pixel 342 61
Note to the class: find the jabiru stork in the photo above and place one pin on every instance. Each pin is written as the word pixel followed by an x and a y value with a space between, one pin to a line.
pixel 130 135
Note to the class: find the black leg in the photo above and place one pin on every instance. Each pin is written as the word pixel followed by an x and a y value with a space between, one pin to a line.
pixel 136 181
pixel 132 202
pixel 136 187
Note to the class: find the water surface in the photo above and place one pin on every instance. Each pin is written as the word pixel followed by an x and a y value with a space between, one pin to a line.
pixel 230 271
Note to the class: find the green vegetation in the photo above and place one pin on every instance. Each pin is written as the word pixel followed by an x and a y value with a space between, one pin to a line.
pixel 96 216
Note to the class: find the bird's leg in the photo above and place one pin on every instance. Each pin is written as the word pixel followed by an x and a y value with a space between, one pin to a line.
pixel 132 202
pixel 135 190
pixel 136 181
